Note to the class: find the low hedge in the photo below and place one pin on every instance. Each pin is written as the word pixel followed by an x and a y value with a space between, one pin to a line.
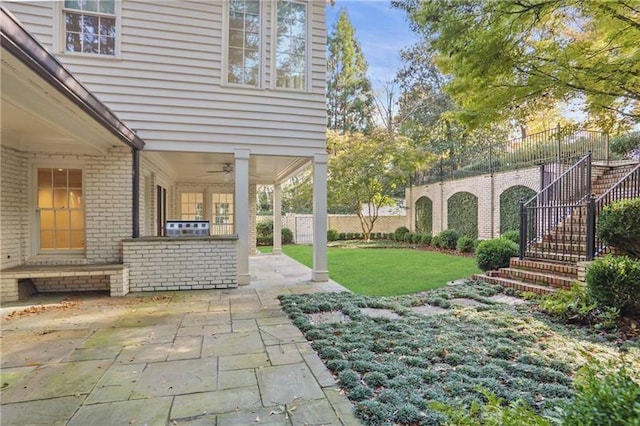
pixel 619 226
pixel 495 253
pixel 614 281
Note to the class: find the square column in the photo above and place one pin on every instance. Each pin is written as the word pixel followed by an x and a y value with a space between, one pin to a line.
pixel 277 219
pixel 242 213
pixel 320 271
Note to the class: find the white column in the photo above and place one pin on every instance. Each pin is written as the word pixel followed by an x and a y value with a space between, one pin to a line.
pixel 242 213
pixel 277 219
pixel 320 268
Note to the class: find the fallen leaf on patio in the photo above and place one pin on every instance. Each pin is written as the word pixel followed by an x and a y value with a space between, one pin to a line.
pixel 257 419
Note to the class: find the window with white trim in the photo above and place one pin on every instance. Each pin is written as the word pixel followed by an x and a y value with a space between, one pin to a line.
pixel 244 40
pixel 90 26
pixel 291 45
pixel 191 206
pixel 60 210
pixel 222 209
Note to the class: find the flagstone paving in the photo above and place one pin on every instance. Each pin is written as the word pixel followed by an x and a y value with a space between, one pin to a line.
pixel 220 357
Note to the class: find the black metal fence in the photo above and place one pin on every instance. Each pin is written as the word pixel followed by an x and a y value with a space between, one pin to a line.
pixel 553 223
pixel 625 188
pixel 553 146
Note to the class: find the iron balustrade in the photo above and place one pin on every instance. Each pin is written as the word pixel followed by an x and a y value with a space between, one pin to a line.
pixel 625 188
pixel 557 145
pixel 553 222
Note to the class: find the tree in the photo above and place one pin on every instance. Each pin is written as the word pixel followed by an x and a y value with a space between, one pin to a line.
pixel 507 58
pixel 297 193
pixel 365 171
pixel 349 94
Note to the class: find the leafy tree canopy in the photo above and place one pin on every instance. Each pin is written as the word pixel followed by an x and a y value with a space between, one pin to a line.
pixel 369 170
pixel 349 94
pixel 508 58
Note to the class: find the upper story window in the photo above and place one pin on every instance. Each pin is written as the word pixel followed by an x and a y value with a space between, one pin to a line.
pixel 291 45
pixel 244 42
pixel 90 26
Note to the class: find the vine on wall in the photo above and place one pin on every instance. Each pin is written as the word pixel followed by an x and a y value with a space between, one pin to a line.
pixel 424 215
pixel 510 207
pixel 462 214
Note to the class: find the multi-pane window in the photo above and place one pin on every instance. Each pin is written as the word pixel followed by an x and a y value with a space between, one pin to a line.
pixel 222 209
pixel 191 206
pixel 243 55
pixel 90 26
pixel 291 44
pixel 60 210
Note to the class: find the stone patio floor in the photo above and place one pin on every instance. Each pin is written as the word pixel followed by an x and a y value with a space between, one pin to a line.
pixel 216 357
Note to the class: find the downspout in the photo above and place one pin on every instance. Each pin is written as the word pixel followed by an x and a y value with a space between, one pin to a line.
pixel 135 208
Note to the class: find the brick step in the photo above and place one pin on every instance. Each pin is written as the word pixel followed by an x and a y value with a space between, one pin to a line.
pixel 562 269
pixel 518 285
pixel 562 246
pixel 531 277
pixel 565 235
pixel 554 257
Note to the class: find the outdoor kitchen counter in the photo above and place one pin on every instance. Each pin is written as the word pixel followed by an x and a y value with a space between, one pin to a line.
pixel 181 263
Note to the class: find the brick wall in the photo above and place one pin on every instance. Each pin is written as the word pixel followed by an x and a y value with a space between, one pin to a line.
pixel 97 283
pixel 157 264
pixel 13 207
pixel 107 196
pixel 486 187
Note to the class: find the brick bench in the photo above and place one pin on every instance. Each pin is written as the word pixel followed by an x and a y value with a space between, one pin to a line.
pixel 117 272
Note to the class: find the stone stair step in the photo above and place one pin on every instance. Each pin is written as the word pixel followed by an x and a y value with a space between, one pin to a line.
pixel 557 257
pixel 531 277
pixel 563 269
pixel 518 285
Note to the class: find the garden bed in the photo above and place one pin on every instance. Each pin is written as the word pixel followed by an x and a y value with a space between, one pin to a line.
pixel 393 370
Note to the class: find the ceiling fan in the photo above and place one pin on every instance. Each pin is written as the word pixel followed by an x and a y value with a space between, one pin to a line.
pixel 227 169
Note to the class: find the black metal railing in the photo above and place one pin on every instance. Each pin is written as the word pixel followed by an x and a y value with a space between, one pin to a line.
pixel 557 145
pixel 553 222
pixel 625 188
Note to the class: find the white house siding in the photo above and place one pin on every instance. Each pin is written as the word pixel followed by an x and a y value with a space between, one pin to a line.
pixel 167 82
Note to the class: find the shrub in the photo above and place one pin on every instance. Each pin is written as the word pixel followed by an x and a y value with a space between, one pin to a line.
pixel 436 241
pixel 342 236
pixel 408 237
pixel 264 241
pixel 569 305
pixel 286 235
pixel 449 238
pixel 466 244
pixel 332 235
pixel 626 145
pixel 615 281
pixel 400 233
pixel 511 235
pixel 426 239
pixel 495 253
pixel 264 228
pixel 416 238
pixel 349 235
pixel 619 226
pixel 606 395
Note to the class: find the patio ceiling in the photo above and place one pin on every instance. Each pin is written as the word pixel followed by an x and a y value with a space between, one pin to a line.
pixel 37 117
pixel 208 167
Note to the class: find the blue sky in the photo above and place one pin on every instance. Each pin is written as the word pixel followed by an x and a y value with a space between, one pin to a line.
pixel 381 30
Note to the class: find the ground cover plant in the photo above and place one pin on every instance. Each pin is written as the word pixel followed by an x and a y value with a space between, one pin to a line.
pixel 390 271
pixel 408 370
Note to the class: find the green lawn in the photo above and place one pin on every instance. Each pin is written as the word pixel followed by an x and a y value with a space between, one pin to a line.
pixel 387 272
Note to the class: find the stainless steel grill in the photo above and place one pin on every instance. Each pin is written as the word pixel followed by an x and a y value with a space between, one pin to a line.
pixel 187 228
